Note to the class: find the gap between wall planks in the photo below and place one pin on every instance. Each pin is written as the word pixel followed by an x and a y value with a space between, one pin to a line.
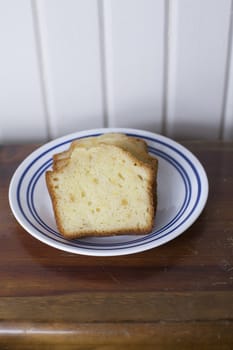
pixel 227 123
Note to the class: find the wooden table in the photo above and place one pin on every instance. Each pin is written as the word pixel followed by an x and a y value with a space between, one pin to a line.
pixel 177 296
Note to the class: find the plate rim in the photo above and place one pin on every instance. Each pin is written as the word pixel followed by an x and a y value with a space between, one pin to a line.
pixel 47 147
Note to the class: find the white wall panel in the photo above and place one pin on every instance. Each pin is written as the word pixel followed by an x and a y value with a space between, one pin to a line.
pixel 198 41
pixel 22 115
pixel 70 51
pixel 161 65
pixel 134 56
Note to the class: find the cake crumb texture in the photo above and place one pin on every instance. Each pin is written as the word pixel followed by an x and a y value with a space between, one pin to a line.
pixel 102 187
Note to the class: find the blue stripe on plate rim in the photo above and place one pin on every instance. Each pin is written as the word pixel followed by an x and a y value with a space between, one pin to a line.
pixel 123 245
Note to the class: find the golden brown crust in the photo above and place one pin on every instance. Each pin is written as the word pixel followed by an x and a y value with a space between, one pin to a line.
pixel 53 197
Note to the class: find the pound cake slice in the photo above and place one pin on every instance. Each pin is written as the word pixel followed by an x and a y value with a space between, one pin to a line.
pixel 102 190
pixel 136 146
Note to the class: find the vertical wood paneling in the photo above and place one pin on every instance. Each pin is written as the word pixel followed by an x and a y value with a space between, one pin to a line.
pixel 228 115
pixel 134 56
pixel 70 45
pixel 22 115
pixel 198 41
pixel 79 64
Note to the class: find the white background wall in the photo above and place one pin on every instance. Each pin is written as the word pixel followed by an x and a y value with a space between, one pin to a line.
pixel 160 65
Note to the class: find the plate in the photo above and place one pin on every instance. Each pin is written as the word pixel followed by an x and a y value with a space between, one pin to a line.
pixel 182 195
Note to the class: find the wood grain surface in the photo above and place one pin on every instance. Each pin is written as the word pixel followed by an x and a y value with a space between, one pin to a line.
pixel 177 296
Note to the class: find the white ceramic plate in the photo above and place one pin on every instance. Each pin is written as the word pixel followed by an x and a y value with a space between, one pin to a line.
pixel 182 194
